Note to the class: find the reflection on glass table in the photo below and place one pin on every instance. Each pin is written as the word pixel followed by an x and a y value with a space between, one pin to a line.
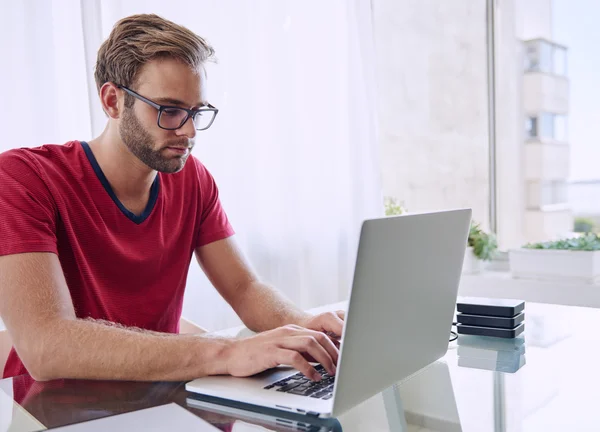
pixel 247 418
pixel 555 390
pixel 489 353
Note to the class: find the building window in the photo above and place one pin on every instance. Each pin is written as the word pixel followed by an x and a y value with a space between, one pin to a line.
pixel 531 127
pixel 546 126
pixel 545 56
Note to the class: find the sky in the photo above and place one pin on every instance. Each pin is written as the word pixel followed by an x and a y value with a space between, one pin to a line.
pixel 575 23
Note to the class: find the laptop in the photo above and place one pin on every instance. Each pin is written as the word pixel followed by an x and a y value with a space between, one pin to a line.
pixel 398 319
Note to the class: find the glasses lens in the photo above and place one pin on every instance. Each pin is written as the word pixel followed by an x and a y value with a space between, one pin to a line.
pixel 204 119
pixel 172 118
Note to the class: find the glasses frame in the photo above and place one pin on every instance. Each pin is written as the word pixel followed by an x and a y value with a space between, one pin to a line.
pixel 190 112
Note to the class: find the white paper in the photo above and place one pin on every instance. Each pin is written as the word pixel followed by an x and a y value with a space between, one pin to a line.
pixel 170 417
pixel 6 409
pixel 241 426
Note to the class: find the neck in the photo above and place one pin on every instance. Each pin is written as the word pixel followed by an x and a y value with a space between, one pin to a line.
pixel 129 177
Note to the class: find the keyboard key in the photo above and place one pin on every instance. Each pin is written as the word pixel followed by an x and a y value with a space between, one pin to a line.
pixel 269 386
pixel 329 396
pixel 311 391
pixel 299 391
pixel 288 387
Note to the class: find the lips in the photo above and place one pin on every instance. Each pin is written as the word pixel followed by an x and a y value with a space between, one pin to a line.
pixel 179 150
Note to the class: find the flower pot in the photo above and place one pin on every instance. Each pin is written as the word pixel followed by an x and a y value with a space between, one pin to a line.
pixel 471 264
pixel 556 265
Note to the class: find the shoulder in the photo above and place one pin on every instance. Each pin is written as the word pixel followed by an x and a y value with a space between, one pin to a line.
pixel 198 167
pixel 39 159
pixel 199 172
pixel 38 169
pixel 17 163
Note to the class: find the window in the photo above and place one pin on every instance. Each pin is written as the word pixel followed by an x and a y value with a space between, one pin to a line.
pixel 531 129
pixel 545 56
pixel 546 126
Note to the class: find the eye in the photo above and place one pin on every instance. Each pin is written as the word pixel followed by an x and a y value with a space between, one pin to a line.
pixel 171 112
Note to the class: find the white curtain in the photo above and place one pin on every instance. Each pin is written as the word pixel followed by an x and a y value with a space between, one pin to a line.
pixel 293 149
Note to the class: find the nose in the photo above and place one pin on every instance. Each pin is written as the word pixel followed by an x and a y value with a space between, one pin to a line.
pixel 188 129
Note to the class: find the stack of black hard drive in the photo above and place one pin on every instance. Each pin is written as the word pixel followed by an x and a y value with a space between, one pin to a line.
pixel 504 318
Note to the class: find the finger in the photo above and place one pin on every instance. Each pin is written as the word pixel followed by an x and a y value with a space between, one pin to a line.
pixel 336 342
pixel 296 360
pixel 341 314
pixel 333 323
pixel 335 338
pixel 329 345
pixel 325 341
pixel 310 346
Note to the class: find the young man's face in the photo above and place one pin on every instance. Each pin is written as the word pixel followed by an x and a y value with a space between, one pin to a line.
pixel 166 82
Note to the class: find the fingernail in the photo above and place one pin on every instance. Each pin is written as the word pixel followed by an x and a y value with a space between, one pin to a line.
pixel 318 377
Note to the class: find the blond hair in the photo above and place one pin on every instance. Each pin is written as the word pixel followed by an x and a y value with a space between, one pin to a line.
pixel 138 39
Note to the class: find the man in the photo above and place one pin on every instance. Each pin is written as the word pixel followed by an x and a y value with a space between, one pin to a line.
pixel 97 237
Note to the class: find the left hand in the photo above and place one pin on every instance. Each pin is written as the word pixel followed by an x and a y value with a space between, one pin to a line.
pixel 331 323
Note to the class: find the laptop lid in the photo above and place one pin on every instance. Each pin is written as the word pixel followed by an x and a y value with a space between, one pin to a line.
pixel 401 306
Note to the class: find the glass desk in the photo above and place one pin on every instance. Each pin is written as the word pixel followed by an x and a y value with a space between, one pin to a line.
pixel 546 380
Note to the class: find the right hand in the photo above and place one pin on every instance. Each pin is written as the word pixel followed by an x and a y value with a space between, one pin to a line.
pixel 289 345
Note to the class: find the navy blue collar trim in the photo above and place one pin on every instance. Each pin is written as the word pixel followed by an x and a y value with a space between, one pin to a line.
pixel 153 190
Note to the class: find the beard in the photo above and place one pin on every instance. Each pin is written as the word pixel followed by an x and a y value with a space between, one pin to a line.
pixel 139 142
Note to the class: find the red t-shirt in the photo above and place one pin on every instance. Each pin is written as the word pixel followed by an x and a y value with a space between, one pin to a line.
pixel 118 266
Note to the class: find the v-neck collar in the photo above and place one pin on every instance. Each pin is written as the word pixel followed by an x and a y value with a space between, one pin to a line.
pixel 133 217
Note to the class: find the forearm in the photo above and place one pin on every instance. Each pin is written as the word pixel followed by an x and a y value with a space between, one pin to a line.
pixel 88 349
pixel 261 308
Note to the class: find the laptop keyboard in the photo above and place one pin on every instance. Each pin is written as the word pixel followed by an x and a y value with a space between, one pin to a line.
pixel 300 385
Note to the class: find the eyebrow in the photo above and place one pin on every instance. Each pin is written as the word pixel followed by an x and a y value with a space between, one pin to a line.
pixel 176 102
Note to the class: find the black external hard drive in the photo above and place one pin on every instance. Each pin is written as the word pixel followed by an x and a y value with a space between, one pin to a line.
pixel 490 321
pixel 490 331
pixel 490 307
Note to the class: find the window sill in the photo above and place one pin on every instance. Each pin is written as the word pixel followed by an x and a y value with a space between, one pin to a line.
pixel 500 284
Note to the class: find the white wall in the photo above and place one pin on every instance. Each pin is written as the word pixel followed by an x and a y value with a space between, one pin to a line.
pixel 431 65
pixel 534 19
pixel 543 92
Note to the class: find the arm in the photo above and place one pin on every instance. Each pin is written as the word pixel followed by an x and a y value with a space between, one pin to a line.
pixel 259 306
pixel 52 343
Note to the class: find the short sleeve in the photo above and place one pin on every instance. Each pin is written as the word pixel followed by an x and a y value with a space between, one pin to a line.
pixel 27 209
pixel 212 220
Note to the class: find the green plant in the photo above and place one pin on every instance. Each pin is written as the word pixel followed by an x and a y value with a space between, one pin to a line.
pixel 484 244
pixel 393 207
pixel 587 242
pixel 584 225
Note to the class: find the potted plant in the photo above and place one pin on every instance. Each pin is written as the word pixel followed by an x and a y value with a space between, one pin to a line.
pixel 584 225
pixel 393 207
pixel 574 259
pixel 481 247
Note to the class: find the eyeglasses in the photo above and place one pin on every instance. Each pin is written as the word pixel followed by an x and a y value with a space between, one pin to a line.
pixel 173 117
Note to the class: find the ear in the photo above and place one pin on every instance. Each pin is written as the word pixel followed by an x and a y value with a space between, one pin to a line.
pixel 112 100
